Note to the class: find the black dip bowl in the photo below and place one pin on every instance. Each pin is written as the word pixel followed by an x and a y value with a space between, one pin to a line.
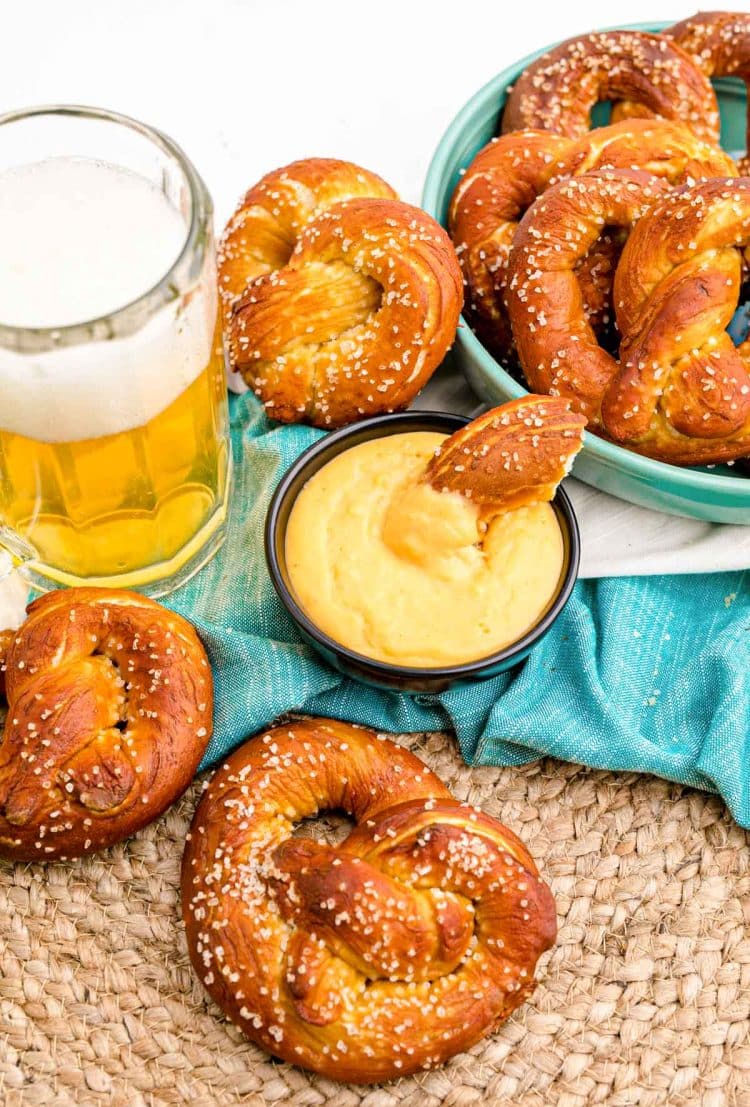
pixel 402 678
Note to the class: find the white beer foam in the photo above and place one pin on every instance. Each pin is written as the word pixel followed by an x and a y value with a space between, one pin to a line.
pixel 78 239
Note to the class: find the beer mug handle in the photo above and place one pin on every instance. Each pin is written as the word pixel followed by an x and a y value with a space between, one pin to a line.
pixel 15 552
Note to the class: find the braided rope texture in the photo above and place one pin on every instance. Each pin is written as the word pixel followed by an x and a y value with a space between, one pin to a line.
pixel 645 999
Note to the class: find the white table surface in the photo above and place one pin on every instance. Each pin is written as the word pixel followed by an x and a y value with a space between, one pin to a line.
pixel 248 85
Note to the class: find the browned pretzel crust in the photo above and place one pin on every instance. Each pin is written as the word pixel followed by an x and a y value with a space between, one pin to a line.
pixel 682 389
pixel 557 348
pixel 109 712
pixel 557 91
pixel 358 319
pixel 514 455
pixel 265 228
pixel 510 172
pixel 719 42
pixel 388 953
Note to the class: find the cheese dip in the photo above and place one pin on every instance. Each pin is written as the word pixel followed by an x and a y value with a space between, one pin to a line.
pixel 395 570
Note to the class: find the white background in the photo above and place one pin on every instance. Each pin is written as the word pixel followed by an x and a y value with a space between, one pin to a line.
pixel 246 86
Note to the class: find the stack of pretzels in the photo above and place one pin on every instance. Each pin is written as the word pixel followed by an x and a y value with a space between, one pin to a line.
pixel 606 264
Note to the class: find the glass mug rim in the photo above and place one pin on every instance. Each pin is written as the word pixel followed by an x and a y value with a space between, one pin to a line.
pixel 183 271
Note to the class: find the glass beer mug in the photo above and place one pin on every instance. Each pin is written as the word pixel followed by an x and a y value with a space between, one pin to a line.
pixel 114 447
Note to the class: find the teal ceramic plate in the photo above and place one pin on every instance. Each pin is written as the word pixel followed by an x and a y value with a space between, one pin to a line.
pixel 715 494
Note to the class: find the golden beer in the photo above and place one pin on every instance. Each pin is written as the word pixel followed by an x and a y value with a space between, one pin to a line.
pixel 114 445
pixel 131 506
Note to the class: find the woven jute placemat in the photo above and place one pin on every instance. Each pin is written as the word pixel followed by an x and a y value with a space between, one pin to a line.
pixel 644 1000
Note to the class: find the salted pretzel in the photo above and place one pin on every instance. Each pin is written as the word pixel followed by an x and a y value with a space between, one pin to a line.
pixel 558 90
pixel 335 307
pixel 510 172
pixel 109 712
pixel 407 942
pixel 557 348
pixel 719 42
pixel 681 391
pixel 358 319
pixel 263 231
pixel 511 456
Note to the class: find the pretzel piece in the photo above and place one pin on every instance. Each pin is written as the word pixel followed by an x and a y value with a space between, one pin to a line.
pixel 514 455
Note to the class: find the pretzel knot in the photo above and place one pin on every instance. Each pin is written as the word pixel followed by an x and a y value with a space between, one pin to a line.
pixel 557 348
pixel 109 711
pixel 357 320
pixel 510 172
pixel 405 943
pixel 264 230
pixel 682 389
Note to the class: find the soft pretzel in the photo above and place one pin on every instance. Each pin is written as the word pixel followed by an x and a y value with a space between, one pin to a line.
pixel 513 455
pixel 261 235
pixel 719 42
pixel 358 319
pixel 109 711
pixel 365 961
pixel 681 391
pixel 502 181
pixel 557 348
pixel 510 172
pixel 558 90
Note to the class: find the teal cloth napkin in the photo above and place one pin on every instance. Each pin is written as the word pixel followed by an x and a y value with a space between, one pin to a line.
pixel 639 673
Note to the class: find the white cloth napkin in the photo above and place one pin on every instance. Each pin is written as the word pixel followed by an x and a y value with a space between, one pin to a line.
pixel 619 539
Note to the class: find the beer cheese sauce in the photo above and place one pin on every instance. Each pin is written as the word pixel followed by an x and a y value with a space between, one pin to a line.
pixel 395 570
